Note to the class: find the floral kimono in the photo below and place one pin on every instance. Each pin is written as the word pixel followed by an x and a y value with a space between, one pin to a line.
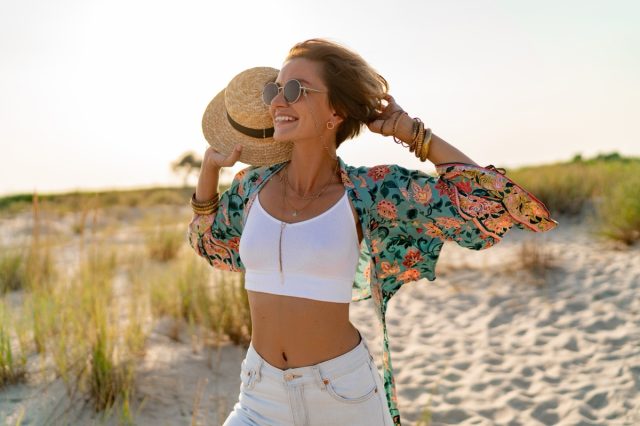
pixel 405 216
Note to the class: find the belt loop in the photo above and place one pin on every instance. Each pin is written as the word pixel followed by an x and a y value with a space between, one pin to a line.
pixel 259 369
pixel 316 373
pixel 366 346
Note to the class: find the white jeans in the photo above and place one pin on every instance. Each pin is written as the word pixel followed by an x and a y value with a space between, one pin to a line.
pixel 346 390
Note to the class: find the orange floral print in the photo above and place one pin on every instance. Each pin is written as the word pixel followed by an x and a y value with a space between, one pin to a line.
pixel 412 257
pixel 378 172
pixel 387 209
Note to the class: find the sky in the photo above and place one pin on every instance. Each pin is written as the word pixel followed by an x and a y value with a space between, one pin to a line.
pixel 106 94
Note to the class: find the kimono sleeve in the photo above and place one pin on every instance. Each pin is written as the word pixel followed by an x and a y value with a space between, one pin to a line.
pixel 216 236
pixel 480 204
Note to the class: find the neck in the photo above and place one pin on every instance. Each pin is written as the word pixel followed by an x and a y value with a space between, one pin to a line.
pixel 311 168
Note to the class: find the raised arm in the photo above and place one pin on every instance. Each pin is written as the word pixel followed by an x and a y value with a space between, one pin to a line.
pixel 216 235
pixel 440 151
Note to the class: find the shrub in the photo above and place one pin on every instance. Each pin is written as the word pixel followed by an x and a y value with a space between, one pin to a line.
pixel 619 211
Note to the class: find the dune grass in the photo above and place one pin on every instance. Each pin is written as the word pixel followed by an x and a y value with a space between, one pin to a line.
pixel 604 189
pixel 187 292
pixel 12 359
pixel 620 211
pixel 90 327
pixel 89 324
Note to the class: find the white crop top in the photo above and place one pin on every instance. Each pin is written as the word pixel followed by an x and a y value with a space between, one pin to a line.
pixel 318 259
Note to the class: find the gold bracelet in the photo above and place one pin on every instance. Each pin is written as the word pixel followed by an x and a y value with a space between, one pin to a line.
pixel 205 210
pixel 426 145
pixel 418 146
pixel 415 129
pixel 419 130
pixel 208 203
pixel 382 127
pixel 420 135
pixel 395 127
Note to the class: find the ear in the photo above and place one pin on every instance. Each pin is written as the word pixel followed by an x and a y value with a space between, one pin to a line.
pixel 337 118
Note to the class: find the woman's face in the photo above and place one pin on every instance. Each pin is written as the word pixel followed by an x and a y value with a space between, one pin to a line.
pixel 307 117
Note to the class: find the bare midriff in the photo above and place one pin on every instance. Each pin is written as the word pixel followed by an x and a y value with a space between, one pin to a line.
pixel 290 332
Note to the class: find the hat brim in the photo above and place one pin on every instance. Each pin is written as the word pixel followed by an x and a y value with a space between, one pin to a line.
pixel 223 138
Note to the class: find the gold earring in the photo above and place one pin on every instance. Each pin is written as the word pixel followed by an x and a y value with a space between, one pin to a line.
pixel 330 123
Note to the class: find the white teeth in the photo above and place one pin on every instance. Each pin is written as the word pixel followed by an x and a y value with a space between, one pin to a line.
pixel 284 118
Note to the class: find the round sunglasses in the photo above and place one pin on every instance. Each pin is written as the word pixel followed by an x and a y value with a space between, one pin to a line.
pixel 292 90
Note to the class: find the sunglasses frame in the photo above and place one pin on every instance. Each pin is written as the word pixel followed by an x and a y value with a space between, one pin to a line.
pixel 302 90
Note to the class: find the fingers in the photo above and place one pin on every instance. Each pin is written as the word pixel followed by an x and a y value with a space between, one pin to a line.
pixel 235 155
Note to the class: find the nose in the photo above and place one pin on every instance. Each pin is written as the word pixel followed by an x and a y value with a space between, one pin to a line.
pixel 279 98
pixel 278 101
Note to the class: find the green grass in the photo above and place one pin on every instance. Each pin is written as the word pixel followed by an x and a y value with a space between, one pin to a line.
pixel 74 201
pixel 620 211
pixel 604 188
pixel 185 291
pixel 92 331
pixel 12 363
pixel 12 270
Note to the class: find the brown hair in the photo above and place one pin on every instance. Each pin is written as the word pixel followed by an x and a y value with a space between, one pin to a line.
pixel 355 88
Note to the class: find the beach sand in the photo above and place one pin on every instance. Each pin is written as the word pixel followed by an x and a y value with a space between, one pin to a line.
pixel 487 343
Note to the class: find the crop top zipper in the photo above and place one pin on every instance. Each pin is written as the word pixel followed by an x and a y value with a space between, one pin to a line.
pixel 282 225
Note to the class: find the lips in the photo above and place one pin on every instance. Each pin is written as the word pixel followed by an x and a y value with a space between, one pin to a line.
pixel 284 119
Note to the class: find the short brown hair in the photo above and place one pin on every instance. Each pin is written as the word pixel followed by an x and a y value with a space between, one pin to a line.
pixel 355 88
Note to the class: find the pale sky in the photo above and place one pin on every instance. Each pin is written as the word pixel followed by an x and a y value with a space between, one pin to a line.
pixel 97 95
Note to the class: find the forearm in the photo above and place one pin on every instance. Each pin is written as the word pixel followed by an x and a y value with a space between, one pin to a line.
pixel 207 184
pixel 440 151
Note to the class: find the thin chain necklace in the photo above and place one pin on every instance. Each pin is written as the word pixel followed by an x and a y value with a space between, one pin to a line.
pixel 296 211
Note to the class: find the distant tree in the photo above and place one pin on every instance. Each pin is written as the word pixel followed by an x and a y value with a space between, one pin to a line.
pixel 187 164
pixel 612 156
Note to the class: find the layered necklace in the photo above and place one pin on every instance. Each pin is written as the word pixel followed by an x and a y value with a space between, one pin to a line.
pixel 312 197
pixel 296 211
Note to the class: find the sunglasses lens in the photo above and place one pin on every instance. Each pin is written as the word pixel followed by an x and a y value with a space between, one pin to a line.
pixel 269 92
pixel 292 91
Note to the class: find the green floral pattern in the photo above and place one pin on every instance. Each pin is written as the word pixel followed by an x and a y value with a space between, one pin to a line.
pixel 405 215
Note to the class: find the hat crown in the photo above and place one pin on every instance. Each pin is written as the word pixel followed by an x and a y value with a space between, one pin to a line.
pixel 243 97
pixel 238 115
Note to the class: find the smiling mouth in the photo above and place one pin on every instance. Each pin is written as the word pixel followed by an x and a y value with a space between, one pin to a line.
pixel 282 123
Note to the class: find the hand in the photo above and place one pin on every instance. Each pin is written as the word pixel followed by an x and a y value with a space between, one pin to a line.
pixel 392 109
pixel 214 159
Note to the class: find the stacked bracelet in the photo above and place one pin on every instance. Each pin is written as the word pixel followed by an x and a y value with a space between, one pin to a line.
pixel 424 149
pixel 420 136
pixel 417 146
pixel 204 207
pixel 395 124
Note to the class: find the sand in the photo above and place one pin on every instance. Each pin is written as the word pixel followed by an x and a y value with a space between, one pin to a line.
pixel 487 343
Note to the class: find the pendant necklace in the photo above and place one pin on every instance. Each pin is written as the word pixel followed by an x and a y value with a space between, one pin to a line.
pixel 295 211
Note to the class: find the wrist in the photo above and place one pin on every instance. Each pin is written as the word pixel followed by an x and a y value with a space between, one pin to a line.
pixel 404 130
pixel 210 168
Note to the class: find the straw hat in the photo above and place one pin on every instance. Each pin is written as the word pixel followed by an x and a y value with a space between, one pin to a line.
pixel 238 115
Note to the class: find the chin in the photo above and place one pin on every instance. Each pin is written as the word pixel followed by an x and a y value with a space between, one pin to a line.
pixel 281 139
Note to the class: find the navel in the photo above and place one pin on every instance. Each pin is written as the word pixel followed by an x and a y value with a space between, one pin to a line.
pixel 284 356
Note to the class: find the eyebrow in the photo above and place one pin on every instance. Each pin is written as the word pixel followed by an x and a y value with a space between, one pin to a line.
pixel 301 80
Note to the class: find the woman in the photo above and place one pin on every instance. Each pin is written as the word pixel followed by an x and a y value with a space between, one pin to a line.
pixel 323 234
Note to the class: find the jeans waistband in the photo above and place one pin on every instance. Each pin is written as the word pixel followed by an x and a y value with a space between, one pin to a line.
pixel 334 367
